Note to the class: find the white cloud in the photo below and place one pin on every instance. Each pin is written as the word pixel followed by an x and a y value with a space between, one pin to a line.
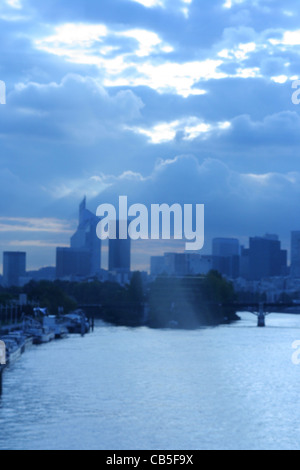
pixel 14 4
pixel 281 79
pixel 74 35
pixel 150 3
pixel 191 128
pixel 148 42
pixel 164 3
pixel 231 3
pixel 291 38
pixel 23 224
pixel 77 43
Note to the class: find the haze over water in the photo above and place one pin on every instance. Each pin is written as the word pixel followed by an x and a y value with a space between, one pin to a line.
pixel 230 387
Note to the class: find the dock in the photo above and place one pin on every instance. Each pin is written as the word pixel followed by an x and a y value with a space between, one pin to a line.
pixel 16 338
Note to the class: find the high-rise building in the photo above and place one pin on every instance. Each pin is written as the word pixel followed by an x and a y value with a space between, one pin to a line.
pixel 72 263
pixel 226 247
pixel 266 258
pixel 226 256
pixel 83 258
pixel 181 264
pixel 295 254
pixel 176 264
pixel 157 264
pixel 119 258
pixel 14 268
pixel 86 239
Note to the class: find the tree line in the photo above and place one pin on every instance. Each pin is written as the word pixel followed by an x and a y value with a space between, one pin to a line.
pixel 185 303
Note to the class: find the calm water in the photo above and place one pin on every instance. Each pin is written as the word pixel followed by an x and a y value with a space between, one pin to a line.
pixel 231 387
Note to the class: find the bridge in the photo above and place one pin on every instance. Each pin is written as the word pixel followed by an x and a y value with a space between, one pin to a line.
pixel 263 309
pixel 260 309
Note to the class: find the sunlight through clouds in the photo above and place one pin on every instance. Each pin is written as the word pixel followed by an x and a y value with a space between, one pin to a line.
pixel 150 3
pixel 191 128
pixel 148 42
pixel 109 88
pixel 74 35
pixel 14 4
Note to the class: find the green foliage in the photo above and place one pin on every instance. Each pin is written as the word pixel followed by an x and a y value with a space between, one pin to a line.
pixel 190 302
pixel 135 289
pixel 49 295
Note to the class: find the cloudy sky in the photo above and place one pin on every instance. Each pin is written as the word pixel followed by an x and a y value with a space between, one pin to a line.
pixel 176 101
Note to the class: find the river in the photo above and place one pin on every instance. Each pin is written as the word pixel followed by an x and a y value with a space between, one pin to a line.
pixel 228 387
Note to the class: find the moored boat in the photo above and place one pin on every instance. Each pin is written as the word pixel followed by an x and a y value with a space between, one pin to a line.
pixel 13 350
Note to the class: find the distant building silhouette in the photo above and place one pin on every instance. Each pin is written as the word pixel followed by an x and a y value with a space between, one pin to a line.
pixel 14 268
pixel 264 258
pixel 72 262
pixel 226 247
pixel 83 258
pixel 295 254
pixel 181 264
pixel 119 257
pixel 226 256
pixel 157 265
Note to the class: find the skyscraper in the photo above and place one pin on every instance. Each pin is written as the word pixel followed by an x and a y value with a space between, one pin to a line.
pixel 266 258
pixel 72 262
pixel 83 258
pixel 85 238
pixel 14 267
pixel 119 254
pixel 226 256
pixel 295 254
pixel 226 247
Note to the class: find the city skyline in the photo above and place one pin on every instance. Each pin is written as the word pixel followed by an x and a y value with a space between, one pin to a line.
pixel 85 246
pixel 141 251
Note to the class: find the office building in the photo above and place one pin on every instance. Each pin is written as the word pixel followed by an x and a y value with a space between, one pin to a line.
pixel 295 255
pixel 119 259
pixel 181 264
pixel 266 258
pixel 157 265
pixel 83 258
pixel 199 264
pixel 226 247
pixel 14 268
pixel 72 263
pixel 86 239
pixel 226 257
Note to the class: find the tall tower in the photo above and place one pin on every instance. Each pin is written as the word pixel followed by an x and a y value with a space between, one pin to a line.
pixel 14 267
pixel 119 254
pixel 295 254
pixel 85 238
pixel 83 258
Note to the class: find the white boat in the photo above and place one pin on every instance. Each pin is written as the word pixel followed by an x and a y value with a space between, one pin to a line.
pixel 77 322
pixel 13 350
pixel 41 335
pixel 24 340
pixel 57 325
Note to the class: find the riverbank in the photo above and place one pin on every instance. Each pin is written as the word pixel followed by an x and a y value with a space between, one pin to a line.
pixel 17 339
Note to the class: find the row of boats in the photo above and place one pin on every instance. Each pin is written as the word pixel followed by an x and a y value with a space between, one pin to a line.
pixel 39 329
